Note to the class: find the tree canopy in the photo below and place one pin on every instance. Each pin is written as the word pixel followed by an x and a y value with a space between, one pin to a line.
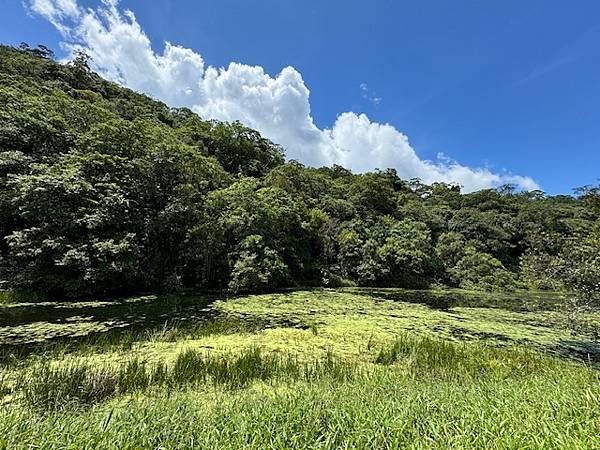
pixel 106 191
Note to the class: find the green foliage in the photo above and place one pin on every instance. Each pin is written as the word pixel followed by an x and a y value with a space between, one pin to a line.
pixel 406 252
pixel 257 267
pixel 539 271
pixel 77 237
pixel 243 151
pixel 105 191
pixel 579 264
pixel 372 193
pixel 389 252
pixel 477 270
pixel 450 248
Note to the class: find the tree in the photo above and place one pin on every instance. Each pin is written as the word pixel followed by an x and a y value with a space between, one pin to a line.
pixel 105 190
pixel 590 196
pixel 407 253
pixel 388 252
pixel 257 267
pixel 373 194
pixel 80 71
pixel 245 209
pixel 78 227
pixel 241 150
pixel 450 248
pixel 478 270
pixel 11 164
pixel 578 266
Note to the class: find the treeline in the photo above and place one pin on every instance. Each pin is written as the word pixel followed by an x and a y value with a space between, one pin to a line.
pixel 106 191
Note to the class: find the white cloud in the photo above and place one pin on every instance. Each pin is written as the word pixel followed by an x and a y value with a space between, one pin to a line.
pixel 278 106
pixel 368 95
pixel 56 11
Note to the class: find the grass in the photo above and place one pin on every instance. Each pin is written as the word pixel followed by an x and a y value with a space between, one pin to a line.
pixel 396 405
pixel 430 357
pixel 318 369
pixel 47 386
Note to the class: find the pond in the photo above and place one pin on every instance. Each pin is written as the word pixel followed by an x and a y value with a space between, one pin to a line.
pixel 32 327
pixel 447 299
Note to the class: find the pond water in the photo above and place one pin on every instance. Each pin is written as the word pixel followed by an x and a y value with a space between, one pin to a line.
pixel 445 300
pixel 25 327
pixel 28 327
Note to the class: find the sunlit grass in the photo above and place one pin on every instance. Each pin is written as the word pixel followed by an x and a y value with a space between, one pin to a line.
pixel 48 385
pixel 346 321
pixel 52 384
pixel 424 393
pixel 318 369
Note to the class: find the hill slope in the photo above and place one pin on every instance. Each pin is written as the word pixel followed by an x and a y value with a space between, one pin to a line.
pixel 104 190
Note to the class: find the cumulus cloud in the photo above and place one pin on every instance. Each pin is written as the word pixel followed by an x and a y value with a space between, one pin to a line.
pixel 278 106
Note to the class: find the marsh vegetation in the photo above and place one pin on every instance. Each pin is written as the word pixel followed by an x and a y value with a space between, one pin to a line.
pixel 307 369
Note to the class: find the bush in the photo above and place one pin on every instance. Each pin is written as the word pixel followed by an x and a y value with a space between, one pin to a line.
pixel 333 280
pixel 477 270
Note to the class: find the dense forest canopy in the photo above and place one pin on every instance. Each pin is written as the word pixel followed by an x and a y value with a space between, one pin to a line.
pixel 106 191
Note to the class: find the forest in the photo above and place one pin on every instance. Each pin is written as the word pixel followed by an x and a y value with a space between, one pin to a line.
pixel 105 191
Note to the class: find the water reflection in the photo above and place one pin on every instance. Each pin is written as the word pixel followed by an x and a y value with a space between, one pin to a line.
pixel 29 326
pixel 446 300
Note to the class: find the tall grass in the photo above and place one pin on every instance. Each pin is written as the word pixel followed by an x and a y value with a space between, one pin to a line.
pixel 49 385
pixel 55 386
pixel 436 357
pixel 386 410
pixel 419 392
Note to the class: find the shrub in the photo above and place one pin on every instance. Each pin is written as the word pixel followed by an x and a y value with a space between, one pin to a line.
pixel 477 270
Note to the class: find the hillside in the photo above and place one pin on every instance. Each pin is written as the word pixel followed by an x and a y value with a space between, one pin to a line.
pixel 106 191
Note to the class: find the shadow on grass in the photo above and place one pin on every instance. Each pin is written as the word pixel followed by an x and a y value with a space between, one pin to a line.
pixel 581 350
pixel 32 328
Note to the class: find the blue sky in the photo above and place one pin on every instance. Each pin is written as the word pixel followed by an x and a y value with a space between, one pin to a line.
pixel 508 88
